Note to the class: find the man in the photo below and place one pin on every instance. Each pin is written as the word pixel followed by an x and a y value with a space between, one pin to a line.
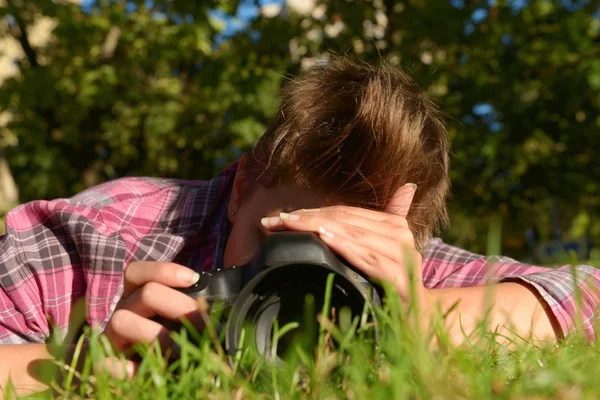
pixel 354 153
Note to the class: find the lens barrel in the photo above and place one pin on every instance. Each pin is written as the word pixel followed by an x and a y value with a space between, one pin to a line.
pixel 281 293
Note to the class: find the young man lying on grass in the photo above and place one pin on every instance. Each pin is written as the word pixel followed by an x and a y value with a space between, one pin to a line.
pixel 354 154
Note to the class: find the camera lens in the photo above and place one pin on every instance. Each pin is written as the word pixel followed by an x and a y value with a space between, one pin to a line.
pixel 292 294
pixel 293 304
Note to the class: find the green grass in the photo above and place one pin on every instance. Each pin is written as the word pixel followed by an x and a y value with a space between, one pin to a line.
pixel 345 364
pixel 403 368
pixel 408 370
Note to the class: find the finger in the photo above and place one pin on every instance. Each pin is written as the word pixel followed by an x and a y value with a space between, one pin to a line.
pixel 356 216
pixel 149 300
pixel 170 274
pixel 120 369
pixel 401 200
pixel 369 261
pixel 378 235
pixel 362 212
pixel 126 328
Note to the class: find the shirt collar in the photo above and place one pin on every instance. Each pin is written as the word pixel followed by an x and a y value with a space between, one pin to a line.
pixel 219 227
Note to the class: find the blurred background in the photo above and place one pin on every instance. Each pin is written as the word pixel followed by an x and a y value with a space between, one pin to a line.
pixel 96 90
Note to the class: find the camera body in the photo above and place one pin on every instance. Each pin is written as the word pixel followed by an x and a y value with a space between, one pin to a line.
pixel 288 267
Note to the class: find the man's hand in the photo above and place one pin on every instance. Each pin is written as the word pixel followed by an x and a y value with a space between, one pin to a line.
pixel 378 243
pixel 381 245
pixel 148 292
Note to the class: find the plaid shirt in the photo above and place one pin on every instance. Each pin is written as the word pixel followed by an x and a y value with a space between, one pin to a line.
pixel 56 252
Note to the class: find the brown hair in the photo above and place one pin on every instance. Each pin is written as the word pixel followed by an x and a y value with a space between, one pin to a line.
pixel 359 132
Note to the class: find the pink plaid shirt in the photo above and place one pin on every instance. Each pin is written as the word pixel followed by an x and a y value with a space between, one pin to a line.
pixel 56 252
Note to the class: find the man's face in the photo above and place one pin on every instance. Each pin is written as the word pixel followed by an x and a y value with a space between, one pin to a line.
pixel 247 232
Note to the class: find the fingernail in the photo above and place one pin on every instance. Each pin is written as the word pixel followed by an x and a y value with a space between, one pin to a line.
pixel 196 277
pixel 130 369
pixel 289 217
pixel 412 185
pixel 188 275
pixel 326 233
pixel 270 221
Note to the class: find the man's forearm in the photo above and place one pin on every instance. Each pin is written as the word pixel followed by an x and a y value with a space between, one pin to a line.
pixel 27 366
pixel 513 311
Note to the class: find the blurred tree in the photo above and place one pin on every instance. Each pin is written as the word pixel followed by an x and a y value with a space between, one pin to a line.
pixel 132 88
pixel 520 83
pixel 157 88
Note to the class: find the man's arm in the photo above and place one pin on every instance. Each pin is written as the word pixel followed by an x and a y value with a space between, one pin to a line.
pixel 529 300
pixel 512 310
pixel 41 279
pixel 24 358
pixel 28 366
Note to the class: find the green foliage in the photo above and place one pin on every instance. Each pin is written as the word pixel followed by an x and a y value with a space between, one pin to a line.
pixel 163 99
pixel 156 89
pixel 538 67
pixel 403 367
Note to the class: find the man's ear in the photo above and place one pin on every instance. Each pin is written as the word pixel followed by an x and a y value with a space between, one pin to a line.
pixel 237 191
pixel 245 181
pixel 235 199
pixel 242 187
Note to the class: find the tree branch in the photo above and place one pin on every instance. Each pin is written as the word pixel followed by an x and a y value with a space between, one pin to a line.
pixel 110 42
pixel 47 114
pixel 22 37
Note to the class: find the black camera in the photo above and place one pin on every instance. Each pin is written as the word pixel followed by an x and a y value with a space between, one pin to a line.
pixel 275 284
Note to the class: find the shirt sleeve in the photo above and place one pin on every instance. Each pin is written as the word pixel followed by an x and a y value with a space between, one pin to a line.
pixel 53 254
pixel 39 275
pixel 58 255
pixel 569 291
